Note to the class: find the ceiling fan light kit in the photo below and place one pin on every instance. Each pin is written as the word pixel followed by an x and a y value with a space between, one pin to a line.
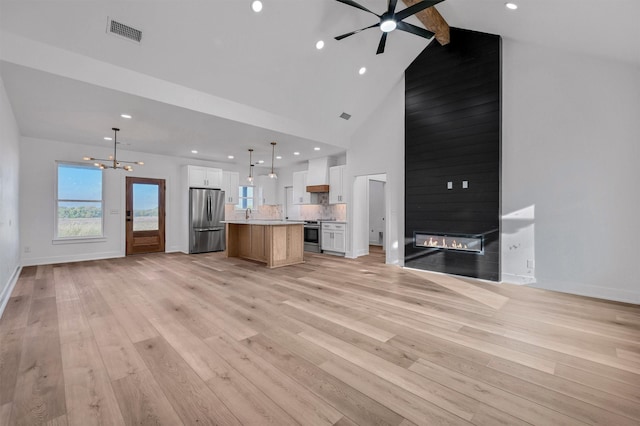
pixel 392 20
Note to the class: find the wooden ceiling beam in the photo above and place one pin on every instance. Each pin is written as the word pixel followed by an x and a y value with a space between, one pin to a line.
pixel 433 21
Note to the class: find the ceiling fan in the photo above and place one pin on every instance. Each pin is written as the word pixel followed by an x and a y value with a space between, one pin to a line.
pixel 390 20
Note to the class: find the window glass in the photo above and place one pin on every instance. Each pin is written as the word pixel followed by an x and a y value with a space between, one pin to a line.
pixel 145 207
pixel 245 197
pixel 79 202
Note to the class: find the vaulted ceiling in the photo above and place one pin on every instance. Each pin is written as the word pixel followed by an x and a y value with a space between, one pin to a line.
pixel 217 77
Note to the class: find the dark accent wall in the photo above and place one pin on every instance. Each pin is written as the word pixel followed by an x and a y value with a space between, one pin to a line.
pixel 452 134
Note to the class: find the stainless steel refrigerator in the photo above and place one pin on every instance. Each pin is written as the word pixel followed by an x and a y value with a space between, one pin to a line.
pixel 206 210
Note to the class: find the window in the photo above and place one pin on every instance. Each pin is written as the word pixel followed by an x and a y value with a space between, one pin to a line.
pixel 245 197
pixel 79 201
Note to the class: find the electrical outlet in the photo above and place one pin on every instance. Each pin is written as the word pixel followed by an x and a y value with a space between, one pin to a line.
pixel 449 185
pixel 27 249
pixel 530 264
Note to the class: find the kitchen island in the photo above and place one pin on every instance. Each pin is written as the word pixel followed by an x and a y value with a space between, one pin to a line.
pixel 274 242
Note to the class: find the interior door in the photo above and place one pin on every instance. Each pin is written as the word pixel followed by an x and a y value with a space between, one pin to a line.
pixel 145 215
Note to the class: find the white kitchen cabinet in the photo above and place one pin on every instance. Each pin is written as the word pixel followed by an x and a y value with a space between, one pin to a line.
pixel 204 177
pixel 334 237
pixel 267 191
pixel 336 185
pixel 230 183
pixel 300 194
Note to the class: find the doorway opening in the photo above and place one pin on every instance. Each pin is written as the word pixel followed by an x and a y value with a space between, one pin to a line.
pixel 145 219
pixel 370 209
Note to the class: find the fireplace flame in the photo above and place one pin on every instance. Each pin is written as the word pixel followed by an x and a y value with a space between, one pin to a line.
pixel 435 243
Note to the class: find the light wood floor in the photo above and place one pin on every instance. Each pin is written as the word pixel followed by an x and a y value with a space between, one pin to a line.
pixel 175 339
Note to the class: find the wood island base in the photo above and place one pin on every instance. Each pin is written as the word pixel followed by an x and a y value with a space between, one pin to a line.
pixel 278 244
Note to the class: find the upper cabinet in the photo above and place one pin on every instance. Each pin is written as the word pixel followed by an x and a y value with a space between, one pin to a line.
pixel 336 185
pixel 300 194
pixel 204 177
pixel 266 194
pixel 230 183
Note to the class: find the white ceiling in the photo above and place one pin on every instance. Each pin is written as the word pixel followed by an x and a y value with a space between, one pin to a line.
pixel 267 61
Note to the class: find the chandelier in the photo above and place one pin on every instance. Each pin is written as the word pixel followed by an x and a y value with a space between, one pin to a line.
pixel 112 161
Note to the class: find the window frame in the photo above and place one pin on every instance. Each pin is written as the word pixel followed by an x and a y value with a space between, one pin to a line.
pixel 77 239
pixel 238 206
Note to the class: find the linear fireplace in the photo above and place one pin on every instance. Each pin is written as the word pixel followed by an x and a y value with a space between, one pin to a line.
pixel 458 242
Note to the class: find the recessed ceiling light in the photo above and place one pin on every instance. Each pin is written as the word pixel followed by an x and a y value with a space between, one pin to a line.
pixel 319 44
pixel 296 153
pixel 316 148
pixel 278 157
pixel 256 6
pixel 362 70
pixel 261 161
pixel 230 157
pixel 193 151
pixel 511 6
pixel 125 116
pixel 107 138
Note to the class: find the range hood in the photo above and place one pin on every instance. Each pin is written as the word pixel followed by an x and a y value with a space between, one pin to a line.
pixel 318 175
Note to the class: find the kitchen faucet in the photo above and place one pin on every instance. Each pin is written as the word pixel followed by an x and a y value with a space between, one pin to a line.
pixel 247 213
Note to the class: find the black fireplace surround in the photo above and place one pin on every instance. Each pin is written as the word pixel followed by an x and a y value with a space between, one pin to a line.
pixel 452 157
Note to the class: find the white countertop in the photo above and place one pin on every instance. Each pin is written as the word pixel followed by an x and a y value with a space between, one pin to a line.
pixel 264 222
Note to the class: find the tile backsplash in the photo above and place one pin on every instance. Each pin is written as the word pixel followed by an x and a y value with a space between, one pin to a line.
pixel 323 210
pixel 262 212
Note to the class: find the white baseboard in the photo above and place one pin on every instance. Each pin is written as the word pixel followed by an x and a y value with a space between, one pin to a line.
pixel 362 252
pixel 614 294
pixel 517 279
pixel 72 258
pixel 8 289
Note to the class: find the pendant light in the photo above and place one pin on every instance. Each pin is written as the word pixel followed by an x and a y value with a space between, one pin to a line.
pixel 250 177
pixel 272 175
pixel 113 159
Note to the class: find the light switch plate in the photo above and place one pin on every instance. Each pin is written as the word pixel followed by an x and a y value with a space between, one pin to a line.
pixel 449 185
pixel 465 184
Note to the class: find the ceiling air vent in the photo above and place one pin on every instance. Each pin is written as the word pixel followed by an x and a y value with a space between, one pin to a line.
pixel 121 30
pixel 345 116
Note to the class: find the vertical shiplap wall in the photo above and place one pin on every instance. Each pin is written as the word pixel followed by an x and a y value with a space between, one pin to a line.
pixel 452 125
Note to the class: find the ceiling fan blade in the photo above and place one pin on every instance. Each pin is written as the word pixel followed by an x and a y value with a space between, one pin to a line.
pixel 414 30
pixel 392 6
pixel 340 37
pixel 356 5
pixel 424 4
pixel 383 41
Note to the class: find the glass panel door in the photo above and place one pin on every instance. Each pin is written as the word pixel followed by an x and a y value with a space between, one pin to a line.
pixel 145 207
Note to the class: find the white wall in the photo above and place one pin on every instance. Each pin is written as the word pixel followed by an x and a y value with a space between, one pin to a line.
pixel 37 203
pixel 378 147
pixel 9 196
pixel 376 211
pixel 570 153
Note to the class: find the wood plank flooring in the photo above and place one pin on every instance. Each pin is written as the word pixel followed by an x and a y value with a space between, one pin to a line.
pixel 202 339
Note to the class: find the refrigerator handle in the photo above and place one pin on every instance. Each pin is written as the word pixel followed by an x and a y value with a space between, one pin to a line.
pixel 209 208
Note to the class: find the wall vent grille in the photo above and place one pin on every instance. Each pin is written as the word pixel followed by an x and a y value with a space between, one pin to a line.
pixel 345 116
pixel 121 30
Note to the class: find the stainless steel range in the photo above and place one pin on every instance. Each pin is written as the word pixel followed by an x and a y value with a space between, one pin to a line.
pixel 312 236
